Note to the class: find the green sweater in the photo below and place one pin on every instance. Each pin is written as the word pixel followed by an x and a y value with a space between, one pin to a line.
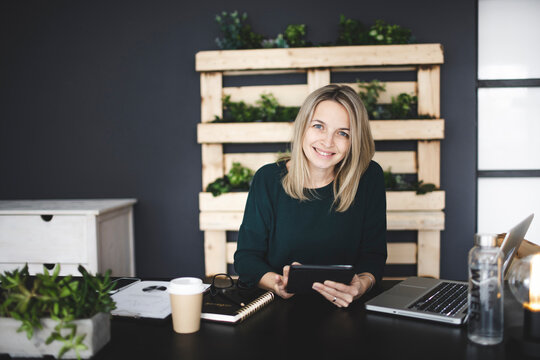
pixel 277 229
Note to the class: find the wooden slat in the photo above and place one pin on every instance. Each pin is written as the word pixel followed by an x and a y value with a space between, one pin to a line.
pixel 409 200
pixel 294 95
pixel 396 220
pixel 282 132
pixel 212 163
pixel 429 162
pixel 398 253
pixel 252 161
pixel 375 69
pixel 317 78
pixel 415 220
pixel 286 95
pixel 398 162
pixel 429 249
pixel 215 252
pixel 316 57
pixel 225 202
pixel 429 91
pixel 211 105
pixel 401 253
pixel 407 129
pixel 395 200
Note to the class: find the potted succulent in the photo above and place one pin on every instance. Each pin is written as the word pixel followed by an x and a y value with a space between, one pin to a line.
pixel 50 315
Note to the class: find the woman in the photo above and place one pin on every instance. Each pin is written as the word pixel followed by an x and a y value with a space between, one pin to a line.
pixel 323 204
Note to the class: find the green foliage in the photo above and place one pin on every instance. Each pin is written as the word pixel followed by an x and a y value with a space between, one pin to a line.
pixel 404 106
pixel 237 34
pixel 369 93
pixel 267 109
pixel 238 179
pixel 63 299
pixel 395 182
pixel 385 34
pixel 295 35
pixel 351 32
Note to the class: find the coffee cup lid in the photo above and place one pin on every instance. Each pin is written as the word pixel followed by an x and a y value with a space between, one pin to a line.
pixel 186 286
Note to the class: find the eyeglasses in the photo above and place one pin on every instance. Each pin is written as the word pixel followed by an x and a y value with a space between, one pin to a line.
pixel 224 285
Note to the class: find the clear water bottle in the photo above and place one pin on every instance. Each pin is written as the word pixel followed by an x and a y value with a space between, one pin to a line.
pixel 485 320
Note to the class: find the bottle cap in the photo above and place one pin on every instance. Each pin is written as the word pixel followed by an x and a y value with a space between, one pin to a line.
pixel 488 240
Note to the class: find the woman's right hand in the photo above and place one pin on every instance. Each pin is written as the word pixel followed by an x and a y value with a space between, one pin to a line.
pixel 280 283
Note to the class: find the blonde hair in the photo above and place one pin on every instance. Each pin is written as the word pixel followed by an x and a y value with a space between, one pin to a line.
pixel 349 171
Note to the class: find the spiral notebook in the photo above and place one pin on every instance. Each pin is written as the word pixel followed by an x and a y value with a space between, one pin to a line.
pixel 234 306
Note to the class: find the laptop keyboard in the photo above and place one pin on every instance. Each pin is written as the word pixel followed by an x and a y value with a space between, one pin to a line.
pixel 446 299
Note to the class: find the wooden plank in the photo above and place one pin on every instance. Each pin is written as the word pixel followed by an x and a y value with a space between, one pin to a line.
pixel 252 161
pixel 401 253
pixel 225 202
pixel 375 69
pixel 264 72
pixel 211 105
pixel 396 220
pixel 415 220
pixel 313 57
pixel 294 95
pixel 407 129
pixel 429 91
pixel 395 200
pixel 282 132
pixel 244 133
pixel 215 252
pixel 398 253
pixel 398 162
pixel 212 163
pixel 286 95
pixel 317 78
pixel 429 162
pixel 429 248
pixel 409 200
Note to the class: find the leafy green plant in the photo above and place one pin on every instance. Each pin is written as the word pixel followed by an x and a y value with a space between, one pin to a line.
pixel 369 93
pixel 63 299
pixel 278 42
pixel 351 32
pixel 266 109
pixel 237 34
pixel 384 34
pixel 238 179
pixel 404 106
pixel 396 182
pixel 294 35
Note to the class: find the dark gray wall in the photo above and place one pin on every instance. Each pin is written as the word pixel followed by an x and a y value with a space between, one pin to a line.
pixel 100 99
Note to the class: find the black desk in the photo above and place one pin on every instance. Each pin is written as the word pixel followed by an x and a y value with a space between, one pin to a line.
pixel 307 328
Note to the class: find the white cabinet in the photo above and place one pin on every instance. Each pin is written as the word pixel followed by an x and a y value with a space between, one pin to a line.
pixel 97 234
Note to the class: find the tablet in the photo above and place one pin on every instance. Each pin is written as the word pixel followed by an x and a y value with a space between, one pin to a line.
pixel 302 277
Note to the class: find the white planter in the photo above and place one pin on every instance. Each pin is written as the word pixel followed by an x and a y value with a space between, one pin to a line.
pixel 97 330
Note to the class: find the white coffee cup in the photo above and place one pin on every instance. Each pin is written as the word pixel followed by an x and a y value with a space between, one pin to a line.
pixel 186 295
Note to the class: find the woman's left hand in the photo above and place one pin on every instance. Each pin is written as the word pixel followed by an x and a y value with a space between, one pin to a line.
pixel 340 294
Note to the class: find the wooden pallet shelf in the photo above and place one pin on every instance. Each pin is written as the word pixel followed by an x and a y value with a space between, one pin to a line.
pixel 405 210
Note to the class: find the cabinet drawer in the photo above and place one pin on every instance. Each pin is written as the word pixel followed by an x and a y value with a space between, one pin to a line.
pixel 42 239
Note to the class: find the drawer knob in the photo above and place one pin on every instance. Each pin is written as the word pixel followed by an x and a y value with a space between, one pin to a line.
pixel 49 266
pixel 46 218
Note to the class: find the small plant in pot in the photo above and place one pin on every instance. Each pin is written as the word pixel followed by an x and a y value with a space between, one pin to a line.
pixel 47 314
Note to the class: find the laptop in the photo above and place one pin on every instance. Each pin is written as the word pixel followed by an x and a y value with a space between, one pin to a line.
pixel 441 300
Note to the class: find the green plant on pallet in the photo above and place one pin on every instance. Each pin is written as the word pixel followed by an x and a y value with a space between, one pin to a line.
pixel 62 299
pixel 238 34
pixel 238 179
pixel 267 109
pixel 403 106
pixel 396 182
